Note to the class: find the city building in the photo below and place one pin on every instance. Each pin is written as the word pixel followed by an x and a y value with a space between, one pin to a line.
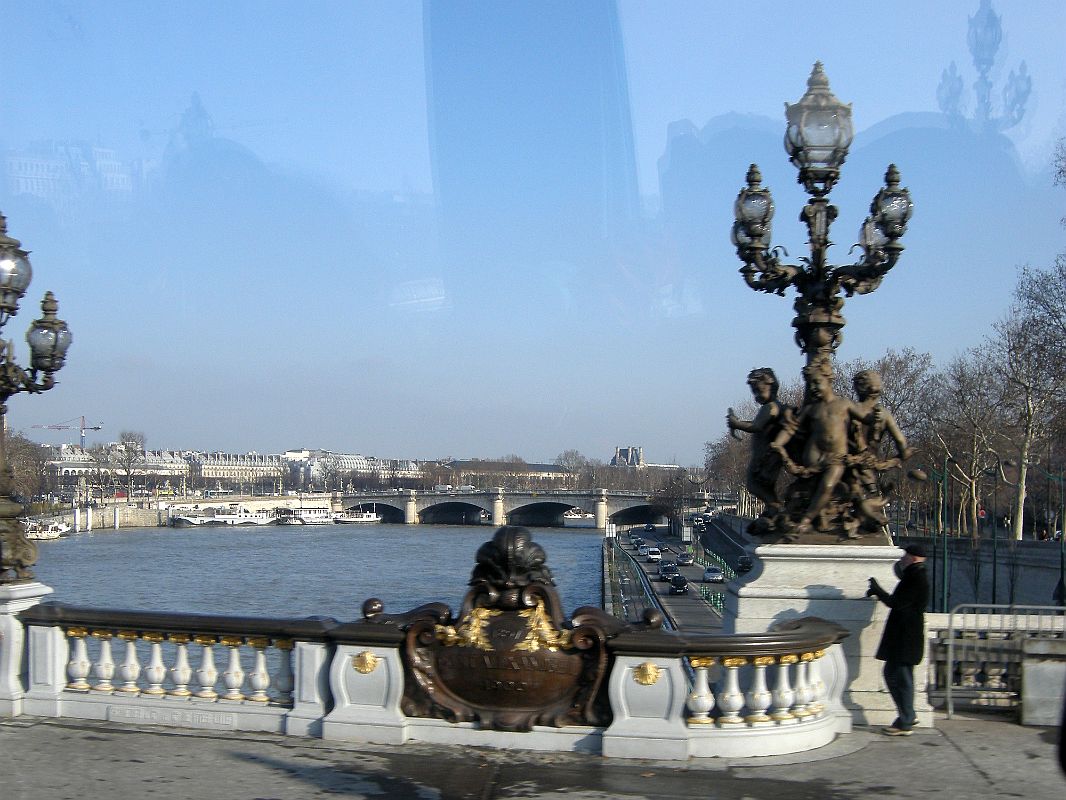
pixel 487 474
pixel 60 172
pixel 628 457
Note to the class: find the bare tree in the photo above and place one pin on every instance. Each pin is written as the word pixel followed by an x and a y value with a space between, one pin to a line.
pixel 100 472
pixel 128 456
pixel 1025 357
pixel 967 401
pixel 29 464
pixel 573 462
pixel 329 469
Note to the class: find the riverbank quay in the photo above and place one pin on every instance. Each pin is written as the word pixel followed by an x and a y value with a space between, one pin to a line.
pixel 973 757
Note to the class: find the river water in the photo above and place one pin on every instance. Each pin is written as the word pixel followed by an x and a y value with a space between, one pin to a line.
pixel 290 571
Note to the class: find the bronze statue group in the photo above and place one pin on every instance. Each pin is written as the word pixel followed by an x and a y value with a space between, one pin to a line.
pixel 831 446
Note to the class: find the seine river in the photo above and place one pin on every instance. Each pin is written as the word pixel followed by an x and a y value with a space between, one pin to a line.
pixel 286 571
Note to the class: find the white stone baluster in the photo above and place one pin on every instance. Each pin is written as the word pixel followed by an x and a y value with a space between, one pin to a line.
pixel 731 699
pixel 283 679
pixel 814 680
pixel 784 694
pixel 78 666
pixel 130 668
pixel 207 674
pixel 758 696
pixel 233 677
pixel 155 672
pixel 259 678
pixel 803 689
pixel 180 671
pixel 700 699
pixel 996 661
pixel 104 667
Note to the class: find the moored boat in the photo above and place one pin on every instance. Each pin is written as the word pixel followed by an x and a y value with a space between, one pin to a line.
pixel 578 518
pixel 304 516
pixel 356 516
pixel 43 531
pixel 234 515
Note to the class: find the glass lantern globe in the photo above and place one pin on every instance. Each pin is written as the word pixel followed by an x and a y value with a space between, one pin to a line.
pixel 48 338
pixel 754 207
pixel 15 274
pixel 892 207
pixel 819 134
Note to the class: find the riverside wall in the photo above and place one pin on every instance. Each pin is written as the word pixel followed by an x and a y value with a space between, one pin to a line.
pixel 113 516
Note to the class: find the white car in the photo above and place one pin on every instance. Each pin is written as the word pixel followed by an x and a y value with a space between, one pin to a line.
pixel 713 575
pixel 654 555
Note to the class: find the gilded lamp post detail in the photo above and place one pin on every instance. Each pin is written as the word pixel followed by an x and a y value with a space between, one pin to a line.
pixel 830 445
pixel 48 338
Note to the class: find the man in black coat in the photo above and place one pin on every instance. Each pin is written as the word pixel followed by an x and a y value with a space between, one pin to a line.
pixel 903 642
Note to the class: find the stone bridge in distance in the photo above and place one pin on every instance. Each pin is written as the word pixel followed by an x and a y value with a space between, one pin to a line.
pixel 502 506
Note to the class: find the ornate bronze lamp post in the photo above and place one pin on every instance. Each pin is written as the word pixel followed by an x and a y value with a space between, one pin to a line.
pixel 48 338
pixel 817 140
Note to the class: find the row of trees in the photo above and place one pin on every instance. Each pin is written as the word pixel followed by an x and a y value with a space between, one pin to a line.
pixel 990 421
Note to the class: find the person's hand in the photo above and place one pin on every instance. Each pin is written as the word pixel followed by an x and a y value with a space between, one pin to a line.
pixel 874 588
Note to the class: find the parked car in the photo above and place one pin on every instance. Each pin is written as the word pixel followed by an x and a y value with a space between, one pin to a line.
pixel 713 575
pixel 643 550
pixel 679 585
pixel 667 570
pixel 744 564
pixel 684 559
pixel 654 555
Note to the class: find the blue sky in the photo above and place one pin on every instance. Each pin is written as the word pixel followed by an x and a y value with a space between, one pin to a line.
pixel 250 302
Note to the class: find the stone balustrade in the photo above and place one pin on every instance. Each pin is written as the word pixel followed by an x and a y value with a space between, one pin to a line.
pixel 671 695
pixel 978 655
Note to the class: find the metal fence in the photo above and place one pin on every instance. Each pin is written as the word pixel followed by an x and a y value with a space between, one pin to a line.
pixel 980 654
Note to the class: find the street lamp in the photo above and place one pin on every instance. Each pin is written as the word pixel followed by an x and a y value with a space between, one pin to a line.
pixel 817 139
pixel 997 475
pixel 48 338
pixel 941 476
pixel 1060 590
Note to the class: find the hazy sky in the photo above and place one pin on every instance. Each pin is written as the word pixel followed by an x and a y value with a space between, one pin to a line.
pixel 251 298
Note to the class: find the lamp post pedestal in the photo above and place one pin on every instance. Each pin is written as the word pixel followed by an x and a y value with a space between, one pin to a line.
pixel 14 599
pixel 828 581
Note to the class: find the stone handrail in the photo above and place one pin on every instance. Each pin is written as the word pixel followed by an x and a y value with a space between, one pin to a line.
pixel 671 695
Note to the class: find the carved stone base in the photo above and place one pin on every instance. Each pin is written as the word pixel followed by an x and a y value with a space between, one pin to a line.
pixel 14 598
pixel 828 581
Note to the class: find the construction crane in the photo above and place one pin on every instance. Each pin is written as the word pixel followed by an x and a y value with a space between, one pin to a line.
pixel 66 426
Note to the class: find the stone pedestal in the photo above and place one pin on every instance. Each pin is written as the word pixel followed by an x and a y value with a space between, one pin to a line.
pixel 828 581
pixel 14 598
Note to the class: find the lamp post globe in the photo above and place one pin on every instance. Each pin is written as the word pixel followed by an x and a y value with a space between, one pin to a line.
pixel 818 135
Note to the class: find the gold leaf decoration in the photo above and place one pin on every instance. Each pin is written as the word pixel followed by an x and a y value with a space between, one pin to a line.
pixel 365 662
pixel 646 674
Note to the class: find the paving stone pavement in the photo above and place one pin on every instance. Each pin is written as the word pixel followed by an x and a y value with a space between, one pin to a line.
pixel 965 758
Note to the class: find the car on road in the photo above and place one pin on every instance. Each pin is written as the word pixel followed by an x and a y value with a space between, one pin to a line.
pixel 654 555
pixel 744 564
pixel 667 570
pixel 684 559
pixel 649 527
pixel 679 585
pixel 713 575
pixel 642 550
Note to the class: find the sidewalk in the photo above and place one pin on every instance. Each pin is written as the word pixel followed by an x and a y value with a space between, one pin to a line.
pixel 972 758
